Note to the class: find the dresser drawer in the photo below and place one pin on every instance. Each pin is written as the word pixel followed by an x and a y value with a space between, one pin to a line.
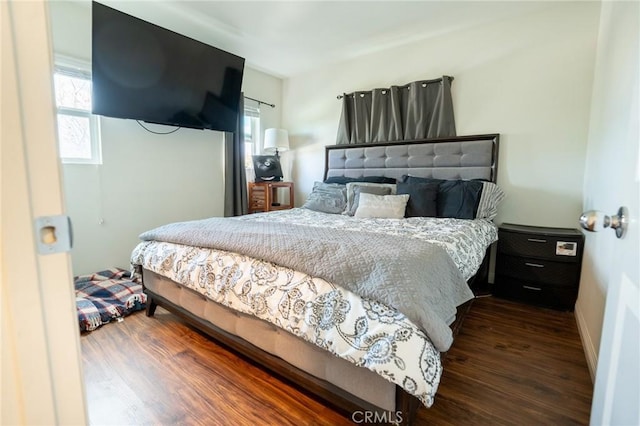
pixel 549 296
pixel 540 246
pixel 539 270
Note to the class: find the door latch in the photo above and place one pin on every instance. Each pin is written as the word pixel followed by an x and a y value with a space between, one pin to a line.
pixel 53 234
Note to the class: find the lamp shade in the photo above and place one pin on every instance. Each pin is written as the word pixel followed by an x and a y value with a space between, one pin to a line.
pixel 276 140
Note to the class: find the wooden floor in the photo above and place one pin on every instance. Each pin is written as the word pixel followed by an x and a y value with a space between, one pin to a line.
pixel 510 364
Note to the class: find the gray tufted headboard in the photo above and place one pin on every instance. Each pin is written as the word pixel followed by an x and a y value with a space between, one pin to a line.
pixel 459 157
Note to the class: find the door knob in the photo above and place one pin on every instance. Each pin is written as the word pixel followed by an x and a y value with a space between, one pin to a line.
pixel 594 221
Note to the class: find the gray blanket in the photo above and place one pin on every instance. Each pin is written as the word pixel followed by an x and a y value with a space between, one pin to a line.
pixel 415 277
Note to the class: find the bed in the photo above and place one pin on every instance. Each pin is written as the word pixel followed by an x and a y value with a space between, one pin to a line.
pixel 325 300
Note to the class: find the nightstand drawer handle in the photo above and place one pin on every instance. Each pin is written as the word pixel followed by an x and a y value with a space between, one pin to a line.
pixel 528 287
pixel 534 265
pixel 536 240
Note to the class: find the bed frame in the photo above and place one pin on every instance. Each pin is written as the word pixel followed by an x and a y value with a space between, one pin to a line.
pixel 465 157
pixel 458 157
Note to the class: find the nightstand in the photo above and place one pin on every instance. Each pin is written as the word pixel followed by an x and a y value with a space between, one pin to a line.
pixel 539 265
pixel 267 196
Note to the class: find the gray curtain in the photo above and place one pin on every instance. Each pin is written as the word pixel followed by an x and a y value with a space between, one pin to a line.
pixel 418 110
pixel 235 179
pixel 386 120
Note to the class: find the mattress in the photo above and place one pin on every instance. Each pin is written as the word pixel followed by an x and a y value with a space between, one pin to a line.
pixel 364 332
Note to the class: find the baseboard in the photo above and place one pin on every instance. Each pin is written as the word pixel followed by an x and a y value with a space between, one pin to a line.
pixel 587 344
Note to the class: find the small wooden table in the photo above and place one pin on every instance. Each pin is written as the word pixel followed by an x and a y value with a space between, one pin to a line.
pixel 264 197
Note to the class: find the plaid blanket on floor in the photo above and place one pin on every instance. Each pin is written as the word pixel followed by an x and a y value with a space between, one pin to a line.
pixel 107 295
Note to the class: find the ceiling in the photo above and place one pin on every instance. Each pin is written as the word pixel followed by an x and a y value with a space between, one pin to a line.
pixel 286 38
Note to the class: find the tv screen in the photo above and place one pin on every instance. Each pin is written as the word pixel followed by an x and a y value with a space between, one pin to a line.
pixel 145 72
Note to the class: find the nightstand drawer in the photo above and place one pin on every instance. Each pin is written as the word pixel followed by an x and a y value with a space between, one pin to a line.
pixel 538 294
pixel 538 270
pixel 539 246
pixel 256 204
pixel 257 199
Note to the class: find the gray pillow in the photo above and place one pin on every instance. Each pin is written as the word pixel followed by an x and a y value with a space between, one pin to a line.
pixel 375 190
pixel 327 198
pixel 351 186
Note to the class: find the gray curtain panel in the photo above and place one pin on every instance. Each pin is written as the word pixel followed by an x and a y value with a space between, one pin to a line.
pixel 356 111
pixel 235 178
pixel 427 110
pixel 418 110
pixel 386 120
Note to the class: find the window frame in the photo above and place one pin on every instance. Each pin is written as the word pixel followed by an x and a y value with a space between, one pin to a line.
pixel 72 67
pixel 253 113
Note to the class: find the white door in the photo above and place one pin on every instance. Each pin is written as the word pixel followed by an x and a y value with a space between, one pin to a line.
pixel 612 180
pixel 41 370
pixel 616 398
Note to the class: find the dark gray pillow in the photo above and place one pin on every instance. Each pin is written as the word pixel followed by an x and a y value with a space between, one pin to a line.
pixel 460 198
pixel 422 198
pixel 327 198
pixel 375 190
pixel 371 179
pixel 456 198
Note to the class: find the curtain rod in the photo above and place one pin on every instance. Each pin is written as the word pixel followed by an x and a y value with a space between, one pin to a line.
pixel 261 102
pixel 404 85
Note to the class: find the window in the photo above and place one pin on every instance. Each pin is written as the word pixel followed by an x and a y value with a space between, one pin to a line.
pixel 78 129
pixel 251 134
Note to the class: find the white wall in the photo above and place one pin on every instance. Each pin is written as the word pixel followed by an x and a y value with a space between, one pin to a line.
pixel 528 78
pixel 145 180
pixel 612 165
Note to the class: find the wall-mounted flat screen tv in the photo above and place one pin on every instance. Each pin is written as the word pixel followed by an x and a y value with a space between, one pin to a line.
pixel 145 72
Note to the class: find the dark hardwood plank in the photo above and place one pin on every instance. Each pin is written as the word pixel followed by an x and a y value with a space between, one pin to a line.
pixel 510 364
pixel 160 371
pixel 513 364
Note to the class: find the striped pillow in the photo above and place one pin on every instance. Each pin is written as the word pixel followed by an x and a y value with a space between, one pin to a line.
pixel 490 198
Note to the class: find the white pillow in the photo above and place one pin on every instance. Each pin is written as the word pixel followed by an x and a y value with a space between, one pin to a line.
pixel 386 206
pixel 351 188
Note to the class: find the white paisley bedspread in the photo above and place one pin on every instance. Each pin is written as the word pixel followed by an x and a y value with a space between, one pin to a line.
pixel 362 331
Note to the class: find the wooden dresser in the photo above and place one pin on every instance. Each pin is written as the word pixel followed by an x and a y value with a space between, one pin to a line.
pixel 539 265
pixel 270 196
